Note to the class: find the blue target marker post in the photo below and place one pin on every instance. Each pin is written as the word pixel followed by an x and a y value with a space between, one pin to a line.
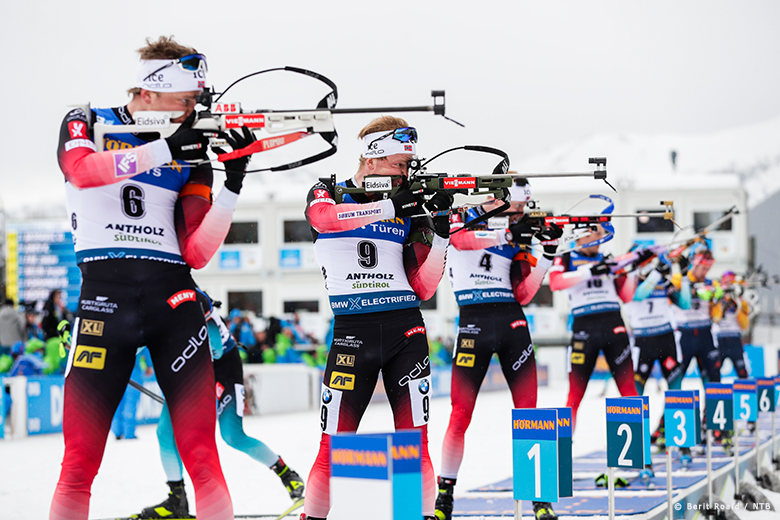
pixel 565 477
pixel 625 440
pixel 745 409
pixel 777 406
pixel 534 456
pixel 680 417
pixel 646 425
pixel 719 403
pixel 376 472
pixel 765 387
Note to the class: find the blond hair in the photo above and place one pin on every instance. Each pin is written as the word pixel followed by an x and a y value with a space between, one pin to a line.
pixel 381 124
pixel 164 48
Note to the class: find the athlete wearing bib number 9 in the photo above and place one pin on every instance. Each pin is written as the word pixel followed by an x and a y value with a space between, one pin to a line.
pixel 142 216
pixel 378 265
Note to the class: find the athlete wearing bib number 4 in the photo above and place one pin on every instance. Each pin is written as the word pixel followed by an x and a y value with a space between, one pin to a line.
pixel 378 266
pixel 141 218
pixel 594 297
pixel 493 275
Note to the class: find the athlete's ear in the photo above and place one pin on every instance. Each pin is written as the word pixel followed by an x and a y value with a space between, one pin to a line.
pixel 147 96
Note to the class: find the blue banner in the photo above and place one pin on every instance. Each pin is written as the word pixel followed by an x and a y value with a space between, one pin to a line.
pixel 359 456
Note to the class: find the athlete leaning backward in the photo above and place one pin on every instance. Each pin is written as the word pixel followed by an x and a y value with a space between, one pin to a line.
pixel 493 275
pixel 142 217
pixel 594 297
pixel 378 265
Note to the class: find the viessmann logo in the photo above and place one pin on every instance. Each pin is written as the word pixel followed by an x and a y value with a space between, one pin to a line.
pixel 247 120
pixel 458 183
pixel 90 357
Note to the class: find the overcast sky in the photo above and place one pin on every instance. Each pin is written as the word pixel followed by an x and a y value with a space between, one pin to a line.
pixel 523 76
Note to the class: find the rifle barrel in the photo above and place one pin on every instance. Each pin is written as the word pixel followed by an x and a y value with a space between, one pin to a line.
pixel 380 109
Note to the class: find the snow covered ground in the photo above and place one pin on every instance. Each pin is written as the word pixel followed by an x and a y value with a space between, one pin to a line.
pixel 131 476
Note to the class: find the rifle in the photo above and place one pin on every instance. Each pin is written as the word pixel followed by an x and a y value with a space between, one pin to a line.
pixel 495 184
pixel 285 126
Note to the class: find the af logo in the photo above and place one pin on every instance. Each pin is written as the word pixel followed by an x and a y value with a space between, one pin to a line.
pixel 577 358
pixel 465 360
pixel 466 343
pixel 91 327
pixel 90 357
pixel 345 360
pixel 342 381
pixel 327 396
pixel 424 386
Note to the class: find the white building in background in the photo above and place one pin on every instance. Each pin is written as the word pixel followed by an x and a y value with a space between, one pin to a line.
pixel 267 265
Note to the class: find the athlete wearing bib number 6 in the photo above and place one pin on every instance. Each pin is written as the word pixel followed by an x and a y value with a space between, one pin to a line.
pixel 378 265
pixel 141 218
pixel 493 275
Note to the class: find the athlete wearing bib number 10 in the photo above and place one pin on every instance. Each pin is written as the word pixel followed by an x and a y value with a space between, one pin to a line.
pixel 142 217
pixel 493 275
pixel 378 265
pixel 595 296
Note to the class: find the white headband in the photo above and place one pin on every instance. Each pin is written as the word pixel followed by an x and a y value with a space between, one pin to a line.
pixel 172 78
pixel 387 146
pixel 519 193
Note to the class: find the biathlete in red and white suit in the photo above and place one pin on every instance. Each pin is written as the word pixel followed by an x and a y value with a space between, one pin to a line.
pixel 594 297
pixel 492 275
pixel 378 266
pixel 141 218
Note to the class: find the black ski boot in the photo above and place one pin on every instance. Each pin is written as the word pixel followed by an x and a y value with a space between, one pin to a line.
pixel 544 511
pixel 445 498
pixel 175 506
pixel 291 480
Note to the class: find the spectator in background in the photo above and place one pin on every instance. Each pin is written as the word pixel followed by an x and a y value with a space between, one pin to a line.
pixel 241 329
pixel 12 327
pixel 54 311
pixel 33 322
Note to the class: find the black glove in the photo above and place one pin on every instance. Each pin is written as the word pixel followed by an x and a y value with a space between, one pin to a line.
pixel 441 226
pixel 188 144
pixel 406 203
pixel 522 233
pixel 600 269
pixel 664 268
pixel 440 201
pixel 235 168
pixel 643 256
pixel 549 234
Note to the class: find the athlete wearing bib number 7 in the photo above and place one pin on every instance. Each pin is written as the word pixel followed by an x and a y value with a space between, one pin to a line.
pixel 141 218
pixel 378 265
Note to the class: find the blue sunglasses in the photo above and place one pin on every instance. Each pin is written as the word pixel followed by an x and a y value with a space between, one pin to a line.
pixel 190 62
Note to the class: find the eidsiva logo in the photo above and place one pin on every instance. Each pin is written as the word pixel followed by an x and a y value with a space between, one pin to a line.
pixel 342 381
pixel 90 357
pixel 181 297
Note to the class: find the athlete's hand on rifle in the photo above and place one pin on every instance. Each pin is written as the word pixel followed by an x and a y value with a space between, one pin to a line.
pixel 549 236
pixel 188 144
pixel 664 268
pixel 643 256
pixel 406 203
pixel 522 232
pixel 601 268
pixel 235 169
pixel 440 201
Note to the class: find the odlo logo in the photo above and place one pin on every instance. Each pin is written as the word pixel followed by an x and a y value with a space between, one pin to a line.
pixel 190 349
pixel 526 353
pixel 90 357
